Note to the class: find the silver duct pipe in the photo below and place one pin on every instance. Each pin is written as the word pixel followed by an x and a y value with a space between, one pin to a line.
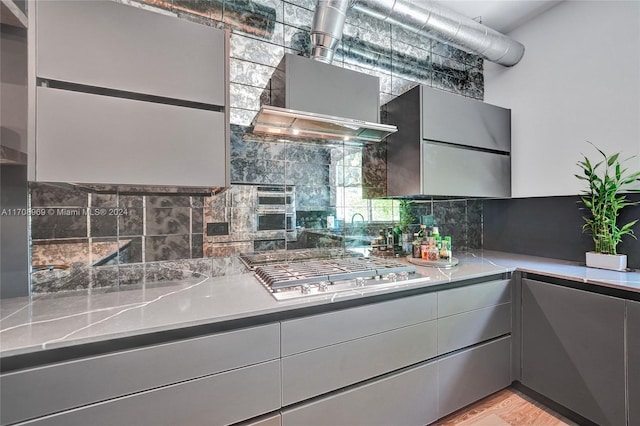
pixel 429 20
pixel 446 26
pixel 326 29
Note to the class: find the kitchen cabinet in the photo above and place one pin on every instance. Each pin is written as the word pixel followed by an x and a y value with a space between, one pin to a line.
pixel 349 358
pixel 633 361
pixel 473 314
pixel 406 398
pixel 136 97
pixel 573 349
pixel 152 143
pixel 225 378
pixel 11 13
pixel 353 345
pixel 447 145
pixel 472 374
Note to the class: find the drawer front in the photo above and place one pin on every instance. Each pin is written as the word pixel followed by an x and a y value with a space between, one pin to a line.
pixel 408 398
pixel 457 171
pixel 269 420
pixel 466 329
pixel 151 143
pixel 473 374
pixel 116 46
pixel 213 400
pixel 72 384
pixel 468 298
pixel 317 331
pixel 322 370
pixel 633 360
pixel 484 125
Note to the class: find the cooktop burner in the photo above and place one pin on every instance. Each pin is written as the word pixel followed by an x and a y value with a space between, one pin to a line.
pixel 291 280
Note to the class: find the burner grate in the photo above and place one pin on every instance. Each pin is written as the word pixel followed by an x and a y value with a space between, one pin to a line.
pixel 326 272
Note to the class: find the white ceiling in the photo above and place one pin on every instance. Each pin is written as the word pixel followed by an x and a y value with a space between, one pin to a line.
pixel 501 15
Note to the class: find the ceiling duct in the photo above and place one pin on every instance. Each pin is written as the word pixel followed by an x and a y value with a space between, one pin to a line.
pixel 428 19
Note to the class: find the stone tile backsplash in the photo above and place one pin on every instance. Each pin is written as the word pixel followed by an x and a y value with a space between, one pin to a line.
pixel 164 237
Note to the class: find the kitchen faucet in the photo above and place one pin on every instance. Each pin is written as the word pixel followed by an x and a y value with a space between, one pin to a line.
pixel 357 214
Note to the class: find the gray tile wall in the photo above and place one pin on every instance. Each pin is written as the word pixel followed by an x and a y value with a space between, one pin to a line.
pixel 156 232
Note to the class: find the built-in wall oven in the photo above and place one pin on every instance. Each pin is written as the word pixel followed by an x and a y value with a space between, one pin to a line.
pixel 276 211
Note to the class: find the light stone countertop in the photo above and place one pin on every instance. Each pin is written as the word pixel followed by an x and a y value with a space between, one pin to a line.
pixel 65 319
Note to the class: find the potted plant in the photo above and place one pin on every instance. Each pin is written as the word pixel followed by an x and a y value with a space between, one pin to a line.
pixel 602 198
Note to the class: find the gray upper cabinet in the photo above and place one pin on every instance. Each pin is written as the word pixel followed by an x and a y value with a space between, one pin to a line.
pixel 152 143
pixel 573 349
pixel 111 45
pixel 447 145
pixel 464 121
pixel 125 96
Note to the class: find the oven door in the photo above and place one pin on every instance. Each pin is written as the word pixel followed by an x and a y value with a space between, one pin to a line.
pixel 275 221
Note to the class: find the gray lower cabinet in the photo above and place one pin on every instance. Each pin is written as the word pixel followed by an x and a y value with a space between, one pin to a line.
pixel 407 398
pixel 472 374
pixel 268 420
pixel 220 399
pixel 36 392
pixel 468 328
pixel 322 370
pixel 633 361
pixel 573 349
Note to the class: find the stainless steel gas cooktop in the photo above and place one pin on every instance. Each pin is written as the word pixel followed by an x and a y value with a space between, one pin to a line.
pixel 305 278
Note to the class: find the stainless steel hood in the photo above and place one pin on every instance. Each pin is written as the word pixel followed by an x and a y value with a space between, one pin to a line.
pixel 289 122
pixel 312 99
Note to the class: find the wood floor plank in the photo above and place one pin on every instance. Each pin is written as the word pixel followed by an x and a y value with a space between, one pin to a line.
pixel 506 407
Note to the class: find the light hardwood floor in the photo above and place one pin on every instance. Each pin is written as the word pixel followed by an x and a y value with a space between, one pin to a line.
pixel 507 407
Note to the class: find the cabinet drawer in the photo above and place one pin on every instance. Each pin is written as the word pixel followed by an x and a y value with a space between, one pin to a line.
pixel 466 329
pixel 269 420
pixel 472 297
pixel 116 46
pixel 457 171
pixel 72 384
pixel 124 141
pixel 460 120
pixel 408 398
pixel 313 332
pixel 322 370
pixel 472 374
pixel 213 400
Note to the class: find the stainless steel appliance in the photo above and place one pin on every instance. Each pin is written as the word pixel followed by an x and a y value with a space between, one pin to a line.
pixel 276 212
pixel 316 100
pixel 296 277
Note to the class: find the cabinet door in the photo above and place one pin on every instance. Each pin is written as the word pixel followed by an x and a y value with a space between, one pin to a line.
pixel 303 334
pixel 407 398
pixel 573 349
pixel 456 171
pixel 464 121
pixel 469 328
pixel 116 46
pixel 633 361
pixel 88 138
pixel 472 374
pixel 315 372
pixel 213 400
pixel 30 393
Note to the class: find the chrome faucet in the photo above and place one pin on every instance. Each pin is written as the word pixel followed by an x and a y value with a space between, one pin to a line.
pixel 357 214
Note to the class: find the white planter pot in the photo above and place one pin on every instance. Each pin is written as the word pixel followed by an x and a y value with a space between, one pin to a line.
pixel 614 262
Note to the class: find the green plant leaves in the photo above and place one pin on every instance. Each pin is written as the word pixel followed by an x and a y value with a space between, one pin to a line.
pixel 603 199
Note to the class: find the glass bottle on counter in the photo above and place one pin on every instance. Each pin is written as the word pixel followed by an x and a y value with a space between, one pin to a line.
pixel 382 240
pixel 417 242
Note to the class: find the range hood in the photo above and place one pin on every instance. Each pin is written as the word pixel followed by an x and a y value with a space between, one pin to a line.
pixel 289 122
pixel 312 99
